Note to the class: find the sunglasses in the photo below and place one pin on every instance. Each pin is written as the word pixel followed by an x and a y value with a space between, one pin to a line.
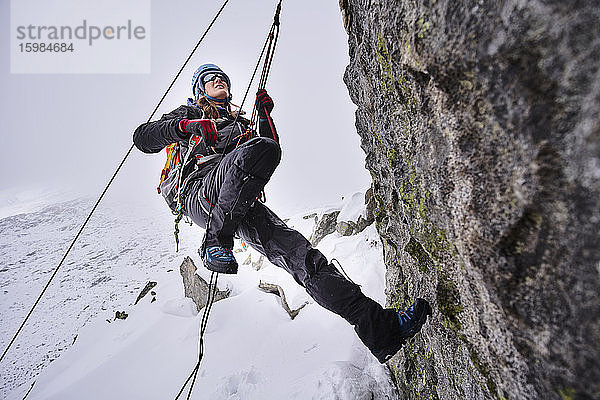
pixel 212 76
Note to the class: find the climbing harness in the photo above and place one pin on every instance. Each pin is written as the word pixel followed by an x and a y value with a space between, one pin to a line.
pixel 108 185
pixel 270 44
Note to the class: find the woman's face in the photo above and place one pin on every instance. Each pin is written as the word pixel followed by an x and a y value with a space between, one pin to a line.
pixel 217 88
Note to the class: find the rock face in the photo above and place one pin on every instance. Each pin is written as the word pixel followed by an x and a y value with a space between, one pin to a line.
pixel 480 125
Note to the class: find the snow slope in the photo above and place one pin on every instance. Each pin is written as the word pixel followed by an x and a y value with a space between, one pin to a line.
pixel 253 350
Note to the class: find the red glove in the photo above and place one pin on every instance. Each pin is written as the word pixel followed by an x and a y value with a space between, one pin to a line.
pixel 264 103
pixel 201 127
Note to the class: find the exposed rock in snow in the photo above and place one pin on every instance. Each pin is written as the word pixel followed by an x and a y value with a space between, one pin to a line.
pixel 195 287
pixel 276 289
pixel 325 226
pixel 345 228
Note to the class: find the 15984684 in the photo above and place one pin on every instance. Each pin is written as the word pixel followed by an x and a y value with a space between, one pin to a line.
pixel 46 47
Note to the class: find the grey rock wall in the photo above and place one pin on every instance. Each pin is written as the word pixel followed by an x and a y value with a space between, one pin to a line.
pixel 480 124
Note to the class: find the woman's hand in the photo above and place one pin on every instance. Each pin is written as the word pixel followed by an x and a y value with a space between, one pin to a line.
pixel 201 127
pixel 264 103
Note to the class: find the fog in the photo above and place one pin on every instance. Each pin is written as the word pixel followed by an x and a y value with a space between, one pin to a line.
pixel 70 130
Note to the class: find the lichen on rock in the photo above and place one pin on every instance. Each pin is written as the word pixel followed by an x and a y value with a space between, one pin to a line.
pixel 480 126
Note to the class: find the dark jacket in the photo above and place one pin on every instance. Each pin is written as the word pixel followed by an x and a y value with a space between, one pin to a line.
pixel 152 137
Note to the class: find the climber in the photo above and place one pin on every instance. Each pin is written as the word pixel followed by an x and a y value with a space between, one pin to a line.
pixel 220 181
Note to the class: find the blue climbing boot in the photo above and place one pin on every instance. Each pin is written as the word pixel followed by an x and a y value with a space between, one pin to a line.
pixel 411 321
pixel 413 318
pixel 219 259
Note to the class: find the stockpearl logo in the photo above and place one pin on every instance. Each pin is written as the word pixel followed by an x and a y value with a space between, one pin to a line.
pixel 80 36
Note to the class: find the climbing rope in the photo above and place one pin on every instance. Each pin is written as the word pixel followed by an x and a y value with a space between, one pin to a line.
pixel 108 185
pixel 212 292
pixel 270 44
pixel 212 287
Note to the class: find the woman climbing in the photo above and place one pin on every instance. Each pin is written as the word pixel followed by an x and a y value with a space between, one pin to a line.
pixel 222 171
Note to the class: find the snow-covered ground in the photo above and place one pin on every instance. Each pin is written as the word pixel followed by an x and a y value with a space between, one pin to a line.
pixel 73 348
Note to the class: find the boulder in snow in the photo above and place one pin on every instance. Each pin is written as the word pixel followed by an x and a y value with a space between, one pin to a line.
pixel 325 226
pixel 345 228
pixel 195 287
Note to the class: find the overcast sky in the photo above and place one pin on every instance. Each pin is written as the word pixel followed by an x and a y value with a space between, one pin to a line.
pixel 73 129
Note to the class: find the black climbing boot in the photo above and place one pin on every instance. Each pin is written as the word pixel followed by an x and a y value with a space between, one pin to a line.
pixel 410 323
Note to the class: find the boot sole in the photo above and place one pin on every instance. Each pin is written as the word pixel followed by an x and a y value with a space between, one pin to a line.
pixel 221 268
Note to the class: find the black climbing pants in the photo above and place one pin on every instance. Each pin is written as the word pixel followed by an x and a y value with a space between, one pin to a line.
pixel 233 185
pixel 231 189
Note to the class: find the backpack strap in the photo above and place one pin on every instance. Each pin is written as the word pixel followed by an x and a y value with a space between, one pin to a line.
pixel 173 160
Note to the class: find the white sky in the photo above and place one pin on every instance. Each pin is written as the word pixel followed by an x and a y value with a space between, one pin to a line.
pixel 73 129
